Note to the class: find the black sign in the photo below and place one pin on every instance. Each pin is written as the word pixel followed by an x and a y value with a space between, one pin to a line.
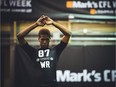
pixel 90 66
pixel 58 9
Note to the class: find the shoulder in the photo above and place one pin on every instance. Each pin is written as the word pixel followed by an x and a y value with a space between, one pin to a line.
pixel 61 45
pixel 27 47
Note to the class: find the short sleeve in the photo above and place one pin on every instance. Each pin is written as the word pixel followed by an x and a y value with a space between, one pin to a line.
pixel 28 49
pixel 60 47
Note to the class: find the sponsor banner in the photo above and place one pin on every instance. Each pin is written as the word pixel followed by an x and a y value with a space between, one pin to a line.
pixel 32 9
pixel 86 76
pixel 94 7
pixel 92 66
pixel 16 6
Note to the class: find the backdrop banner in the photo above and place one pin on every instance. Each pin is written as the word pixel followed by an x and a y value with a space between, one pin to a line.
pixel 90 66
pixel 58 9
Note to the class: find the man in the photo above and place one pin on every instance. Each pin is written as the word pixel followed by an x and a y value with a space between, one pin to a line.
pixel 44 57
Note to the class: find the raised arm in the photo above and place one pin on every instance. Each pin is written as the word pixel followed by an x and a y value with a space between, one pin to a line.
pixel 23 33
pixel 65 31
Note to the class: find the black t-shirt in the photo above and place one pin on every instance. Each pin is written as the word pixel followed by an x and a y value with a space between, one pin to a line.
pixel 45 60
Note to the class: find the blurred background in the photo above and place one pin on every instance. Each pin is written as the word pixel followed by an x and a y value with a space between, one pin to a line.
pixel 91 46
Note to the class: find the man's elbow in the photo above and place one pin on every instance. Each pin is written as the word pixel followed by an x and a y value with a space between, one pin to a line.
pixel 69 34
pixel 19 36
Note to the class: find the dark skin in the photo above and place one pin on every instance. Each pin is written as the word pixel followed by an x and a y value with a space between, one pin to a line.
pixel 44 39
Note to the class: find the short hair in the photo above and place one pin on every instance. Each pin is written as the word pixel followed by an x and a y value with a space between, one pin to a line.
pixel 44 31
